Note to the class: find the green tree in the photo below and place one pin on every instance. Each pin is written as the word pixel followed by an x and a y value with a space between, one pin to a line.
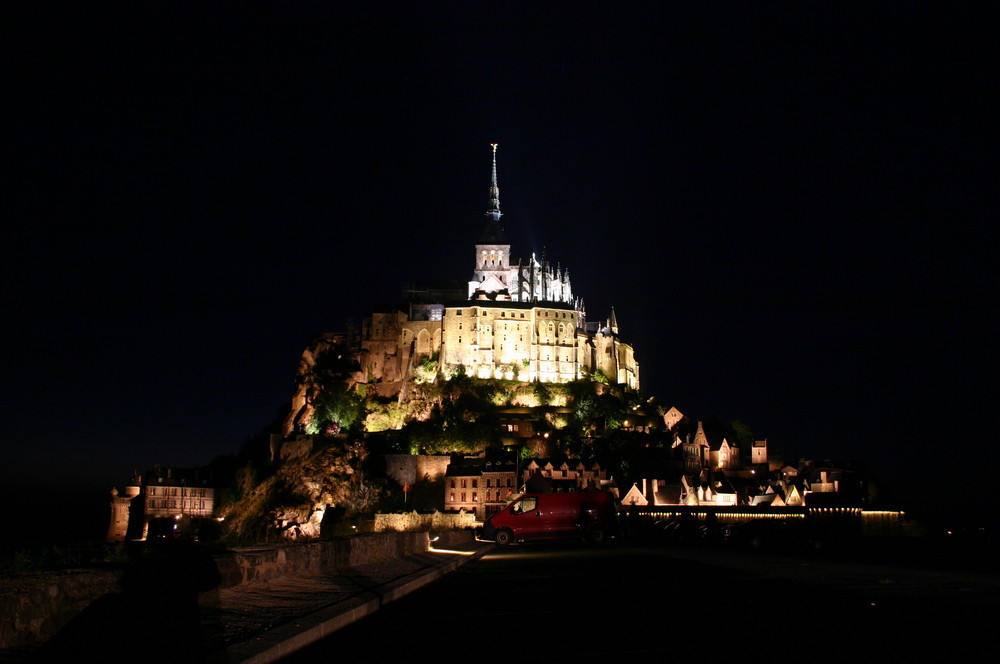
pixel 426 370
pixel 542 393
pixel 338 404
pixel 742 434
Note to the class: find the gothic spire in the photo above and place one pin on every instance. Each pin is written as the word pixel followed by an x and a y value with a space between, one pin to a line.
pixel 494 210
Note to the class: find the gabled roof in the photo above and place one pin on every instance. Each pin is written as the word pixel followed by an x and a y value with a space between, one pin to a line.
pixel 559 463
pixel 793 496
pixel 668 494
pixel 764 499
pixel 469 466
pixel 634 497
pixel 464 467
pixel 500 466
pixel 715 434
pixel 721 484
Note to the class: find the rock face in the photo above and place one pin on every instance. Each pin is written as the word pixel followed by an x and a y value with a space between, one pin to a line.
pixel 309 487
pixel 328 358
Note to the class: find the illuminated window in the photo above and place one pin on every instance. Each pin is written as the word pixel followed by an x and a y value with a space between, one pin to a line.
pixel 475 496
pixel 526 504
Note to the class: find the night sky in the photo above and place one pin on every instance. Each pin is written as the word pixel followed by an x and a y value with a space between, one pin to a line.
pixel 789 208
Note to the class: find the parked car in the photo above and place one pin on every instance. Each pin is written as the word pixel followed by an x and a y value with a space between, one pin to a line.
pixel 536 516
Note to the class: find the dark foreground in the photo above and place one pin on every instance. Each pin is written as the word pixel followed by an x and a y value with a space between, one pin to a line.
pixel 556 602
pixel 569 601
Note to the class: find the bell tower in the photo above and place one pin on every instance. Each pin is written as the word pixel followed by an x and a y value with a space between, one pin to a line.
pixel 492 266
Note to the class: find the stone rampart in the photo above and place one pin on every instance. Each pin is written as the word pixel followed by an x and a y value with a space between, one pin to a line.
pixel 33 607
pixel 259 565
pixel 413 522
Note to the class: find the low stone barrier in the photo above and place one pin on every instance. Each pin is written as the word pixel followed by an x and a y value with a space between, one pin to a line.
pixel 36 605
pixel 259 565
pixel 414 522
pixel 33 607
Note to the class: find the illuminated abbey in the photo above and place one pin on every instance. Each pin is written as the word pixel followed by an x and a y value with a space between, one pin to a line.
pixel 519 320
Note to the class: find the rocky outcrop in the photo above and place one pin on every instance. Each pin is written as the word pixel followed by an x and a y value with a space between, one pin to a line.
pixel 327 358
pixel 317 474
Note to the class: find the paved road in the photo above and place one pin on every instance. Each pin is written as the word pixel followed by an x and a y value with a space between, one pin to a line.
pixel 570 601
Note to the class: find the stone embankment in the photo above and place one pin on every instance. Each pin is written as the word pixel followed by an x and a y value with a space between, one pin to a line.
pixel 33 607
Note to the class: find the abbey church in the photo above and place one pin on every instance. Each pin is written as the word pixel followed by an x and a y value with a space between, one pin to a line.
pixel 518 320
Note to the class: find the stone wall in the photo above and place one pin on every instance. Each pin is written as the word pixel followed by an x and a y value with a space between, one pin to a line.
pixel 413 522
pixel 411 468
pixel 33 607
pixel 253 566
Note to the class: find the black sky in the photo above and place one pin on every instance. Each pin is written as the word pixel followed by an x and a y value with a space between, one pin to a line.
pixel 788 206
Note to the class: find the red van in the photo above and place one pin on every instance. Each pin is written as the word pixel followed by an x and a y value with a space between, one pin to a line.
pixel 589 514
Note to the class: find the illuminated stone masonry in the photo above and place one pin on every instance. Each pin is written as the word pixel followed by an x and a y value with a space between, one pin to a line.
pixel 171 497
pixel 517 321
